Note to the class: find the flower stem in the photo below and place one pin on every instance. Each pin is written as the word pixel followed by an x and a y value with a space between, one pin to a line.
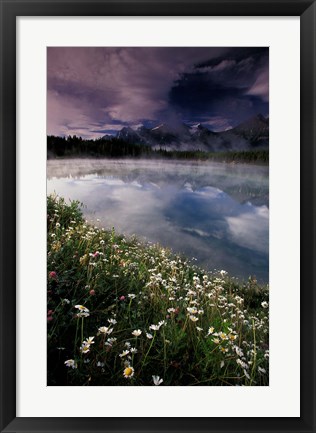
pixel 152 341
pixel 164 352
pixel 82 329
pixel 76 335
pixel 254 351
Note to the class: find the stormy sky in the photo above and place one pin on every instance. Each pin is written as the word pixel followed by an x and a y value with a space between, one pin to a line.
pixel 93 91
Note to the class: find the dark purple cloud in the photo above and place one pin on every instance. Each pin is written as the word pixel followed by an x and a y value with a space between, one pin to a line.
pixel 225 90
pixel 93 91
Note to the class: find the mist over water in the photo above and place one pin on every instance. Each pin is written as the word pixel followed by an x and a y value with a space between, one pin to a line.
pixel 215 212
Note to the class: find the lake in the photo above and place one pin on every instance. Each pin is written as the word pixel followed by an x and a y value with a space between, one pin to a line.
pixel 216 214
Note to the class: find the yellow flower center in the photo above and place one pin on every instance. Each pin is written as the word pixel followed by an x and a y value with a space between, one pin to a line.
pixel 128 371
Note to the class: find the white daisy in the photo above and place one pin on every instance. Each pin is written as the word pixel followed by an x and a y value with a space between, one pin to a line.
pixel 210 330
pixel 70 363
pixel 84 349
pixel 110 341
pixel 241 363
pixel 83 314
pixel 246 374
pixel 137 332
pixel 128 372
pixel 82 308
pixel 157 380
pixel 124 353
pixel 104 330
pixel 239 351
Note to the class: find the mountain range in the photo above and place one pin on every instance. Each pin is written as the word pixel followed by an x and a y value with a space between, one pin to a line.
pixel 251 134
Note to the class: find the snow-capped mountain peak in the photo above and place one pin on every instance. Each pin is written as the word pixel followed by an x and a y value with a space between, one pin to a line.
pixel 252 133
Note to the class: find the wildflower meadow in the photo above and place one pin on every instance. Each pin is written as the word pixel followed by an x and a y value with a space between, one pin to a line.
pixel 127 313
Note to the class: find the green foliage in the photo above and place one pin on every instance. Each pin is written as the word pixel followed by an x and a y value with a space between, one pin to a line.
pixel 195 328
pixel 58 211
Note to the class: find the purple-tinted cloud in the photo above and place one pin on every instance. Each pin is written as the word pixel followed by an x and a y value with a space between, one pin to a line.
pixel 96 90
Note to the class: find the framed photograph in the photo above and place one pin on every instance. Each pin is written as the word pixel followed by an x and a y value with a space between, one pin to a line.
pixel 157 216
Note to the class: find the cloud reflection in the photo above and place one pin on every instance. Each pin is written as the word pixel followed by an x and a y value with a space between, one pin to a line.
pixel 185 208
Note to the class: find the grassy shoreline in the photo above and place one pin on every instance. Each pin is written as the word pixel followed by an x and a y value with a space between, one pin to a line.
pixel 121 312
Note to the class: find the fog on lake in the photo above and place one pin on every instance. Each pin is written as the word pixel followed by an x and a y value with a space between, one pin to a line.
pixel 216 213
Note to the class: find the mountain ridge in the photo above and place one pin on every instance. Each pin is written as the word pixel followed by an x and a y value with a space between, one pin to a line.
pixel 250 134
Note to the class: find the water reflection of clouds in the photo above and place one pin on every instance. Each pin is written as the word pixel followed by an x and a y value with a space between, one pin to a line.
pixel 250 228
pixel 209 192
pixel 239 181
pixel 200 221
pixel 212 213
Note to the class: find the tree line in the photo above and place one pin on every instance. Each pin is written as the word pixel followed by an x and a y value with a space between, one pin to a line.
pixel 77 146
pixel 73 146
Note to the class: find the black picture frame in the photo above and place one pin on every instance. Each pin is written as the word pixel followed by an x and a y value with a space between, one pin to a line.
pixel 10 9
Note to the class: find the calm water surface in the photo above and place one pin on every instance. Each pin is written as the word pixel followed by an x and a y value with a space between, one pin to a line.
pixel 216 213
